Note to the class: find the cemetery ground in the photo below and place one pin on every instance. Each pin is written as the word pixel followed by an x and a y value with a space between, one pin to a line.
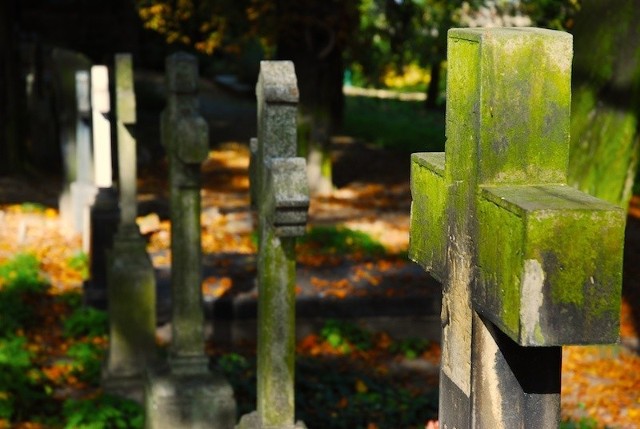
pixel 352 372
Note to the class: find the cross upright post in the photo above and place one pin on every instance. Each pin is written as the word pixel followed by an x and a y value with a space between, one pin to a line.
pixel 186 394
pixel 131 285
pixel 82 189
pixel 280 194
pixel 104 213
pixel 528 264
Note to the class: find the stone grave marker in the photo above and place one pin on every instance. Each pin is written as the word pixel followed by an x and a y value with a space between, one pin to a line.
pixel 83 191
pixel 280 189
pixel 528 264
pixel 130 276
pixel 186 394
pixel 104 213
pixel 63 66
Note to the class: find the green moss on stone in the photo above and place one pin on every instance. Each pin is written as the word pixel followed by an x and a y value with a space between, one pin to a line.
pixel 427 238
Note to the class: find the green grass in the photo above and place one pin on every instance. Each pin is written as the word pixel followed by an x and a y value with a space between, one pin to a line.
pixel 336 240
pixel 394 124
pixel 26 394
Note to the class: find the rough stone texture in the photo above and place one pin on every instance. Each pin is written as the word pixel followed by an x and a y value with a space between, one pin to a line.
pixel 132 316
pixel 185 394
pixel 520 387
pixel 493 219
pixel 550 264
pixel 185 152
pixel 280 192
pixel 131 277
pixel 198 401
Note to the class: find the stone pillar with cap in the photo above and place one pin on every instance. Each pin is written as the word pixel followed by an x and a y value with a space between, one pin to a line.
pixel 130 277
pixel 280 194
pixel 186 393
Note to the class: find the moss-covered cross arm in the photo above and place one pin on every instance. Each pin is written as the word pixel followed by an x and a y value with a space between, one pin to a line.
pixel 546 258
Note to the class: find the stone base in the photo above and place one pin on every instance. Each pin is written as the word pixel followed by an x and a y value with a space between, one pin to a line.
pixel 104 217
pixel 252 421
pixel 131 387
pixel 194 401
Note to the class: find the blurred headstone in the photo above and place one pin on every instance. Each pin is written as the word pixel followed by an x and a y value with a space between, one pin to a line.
pixel 185 393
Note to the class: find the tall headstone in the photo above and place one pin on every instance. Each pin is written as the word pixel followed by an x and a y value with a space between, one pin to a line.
pixel 186 394
pixel 104 214
pixel 528 264
pixel 83 191
pixel 130 277
pixel 281 192
pixel 64 66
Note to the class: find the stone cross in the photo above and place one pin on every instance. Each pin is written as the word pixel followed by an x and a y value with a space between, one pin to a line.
pixel 130 276
pixel 101 106
pixel 528 264
pixel 279 187
pixel 186 394
pixel 83 191
pixel 104 213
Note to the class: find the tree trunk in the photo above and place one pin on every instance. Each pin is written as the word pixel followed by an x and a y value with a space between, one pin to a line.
pixel 313 35
pixel 606 99
pixel 11 142
pixel 433 89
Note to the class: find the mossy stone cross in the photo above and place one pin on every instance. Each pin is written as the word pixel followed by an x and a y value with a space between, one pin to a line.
pixel 492 217
pixel 280 193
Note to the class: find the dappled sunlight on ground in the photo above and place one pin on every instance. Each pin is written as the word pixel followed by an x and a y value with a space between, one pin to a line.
pixel 602 383
pixel 598 382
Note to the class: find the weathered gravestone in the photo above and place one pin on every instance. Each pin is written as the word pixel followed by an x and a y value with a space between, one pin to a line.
pixel 64 66
pixel 130 276
pixel 280 193
pixel 528 264
pixel 186 394
pixel 104 214
pixel 83 191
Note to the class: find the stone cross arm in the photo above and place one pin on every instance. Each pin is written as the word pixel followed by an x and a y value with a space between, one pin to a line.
pixel 546 258
pixel 279 186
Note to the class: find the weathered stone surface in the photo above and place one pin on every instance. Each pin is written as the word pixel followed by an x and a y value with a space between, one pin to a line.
pixel 186 394
pixel 286 198
pixel 131 277
pixel 202 401
pixel 125 120
pixel 428 241
pixel 132 315
pixel 519 387
pixel 280 194
pixel 515 247
pixel 550 264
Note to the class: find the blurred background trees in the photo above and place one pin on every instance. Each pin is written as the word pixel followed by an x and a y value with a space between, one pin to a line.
pixel 392 44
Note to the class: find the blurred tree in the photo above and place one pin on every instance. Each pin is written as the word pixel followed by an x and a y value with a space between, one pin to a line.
pixel 606 99
pixel 314 35
pixel 12 151
pixel 401 32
